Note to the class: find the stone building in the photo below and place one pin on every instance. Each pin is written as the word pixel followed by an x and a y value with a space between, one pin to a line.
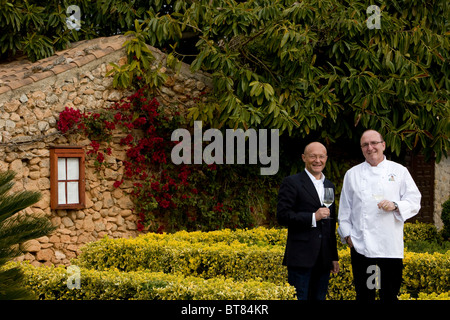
pixel 441 189
pixel 31 97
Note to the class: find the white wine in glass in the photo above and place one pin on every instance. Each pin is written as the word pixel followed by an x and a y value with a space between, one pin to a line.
pixel 378 192
pixel 328 198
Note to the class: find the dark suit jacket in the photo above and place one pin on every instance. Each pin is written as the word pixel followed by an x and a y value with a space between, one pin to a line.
pixel 297 200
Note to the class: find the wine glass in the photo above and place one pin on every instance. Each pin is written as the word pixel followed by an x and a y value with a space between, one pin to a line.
pixel 328 198
pixel 377 192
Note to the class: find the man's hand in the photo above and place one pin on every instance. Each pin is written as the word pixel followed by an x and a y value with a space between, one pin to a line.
pixel 349 241
pixel 322 213
pixel 386 205
pixel 335 268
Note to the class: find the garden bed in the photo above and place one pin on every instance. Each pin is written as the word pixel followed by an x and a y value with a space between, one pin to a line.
pixel 241 264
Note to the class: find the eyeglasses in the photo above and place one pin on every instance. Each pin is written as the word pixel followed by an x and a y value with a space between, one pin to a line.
pixel 372 143
pixel 314 156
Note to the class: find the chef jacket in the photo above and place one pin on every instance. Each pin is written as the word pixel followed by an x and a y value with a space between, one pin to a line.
pixel 376 233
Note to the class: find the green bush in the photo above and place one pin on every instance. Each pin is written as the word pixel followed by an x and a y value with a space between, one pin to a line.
pixel 421 246
pixel 423 273
pixel 242 264
pixel 341 286
pixel 204 259
pixel 263 237
pixel 426 273
pixel 426 296
pixel 241 256
pixel 50 283
pixel 424 237
pixel 257 236
pixel 420 231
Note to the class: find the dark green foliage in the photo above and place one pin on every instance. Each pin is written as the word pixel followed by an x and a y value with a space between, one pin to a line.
pixel 315 67
pixel 15 229
pixel 299 66
pixel 428 246
pixel 38 29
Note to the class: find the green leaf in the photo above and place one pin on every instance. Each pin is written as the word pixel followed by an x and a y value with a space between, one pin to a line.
pixel 284 39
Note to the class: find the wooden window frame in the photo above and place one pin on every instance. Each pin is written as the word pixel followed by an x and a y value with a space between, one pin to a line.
pixel 57 152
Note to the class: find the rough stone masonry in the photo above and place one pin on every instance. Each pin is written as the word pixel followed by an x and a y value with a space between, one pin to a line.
pixel 31 97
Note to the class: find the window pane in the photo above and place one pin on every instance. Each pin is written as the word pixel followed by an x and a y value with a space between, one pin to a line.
pixel 61 168
pixel 73 168
pixel 72 193
pixel 61 193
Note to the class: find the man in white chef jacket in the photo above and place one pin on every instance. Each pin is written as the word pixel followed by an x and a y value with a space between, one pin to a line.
pixel 377 197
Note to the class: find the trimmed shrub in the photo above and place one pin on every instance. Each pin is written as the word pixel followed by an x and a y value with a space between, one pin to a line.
pixel 426 296
pixel 420 246
pixel 423 272
pixel 204 259
pixel 341 286
pixel 257 236
pixel 216 265
pixel 50 283
pixel 272 236
pixel 420 231
pixel 426 273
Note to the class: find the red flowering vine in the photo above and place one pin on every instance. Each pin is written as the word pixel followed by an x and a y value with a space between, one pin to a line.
pixel 164 194
pixel 68 119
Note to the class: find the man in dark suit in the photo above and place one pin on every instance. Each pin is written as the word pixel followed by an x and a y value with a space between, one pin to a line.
pixel 311 249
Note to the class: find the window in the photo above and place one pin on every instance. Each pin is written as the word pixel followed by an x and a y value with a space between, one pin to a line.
pixel 67 181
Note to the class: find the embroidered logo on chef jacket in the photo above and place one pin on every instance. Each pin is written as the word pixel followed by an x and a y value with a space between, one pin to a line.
pixel 391 177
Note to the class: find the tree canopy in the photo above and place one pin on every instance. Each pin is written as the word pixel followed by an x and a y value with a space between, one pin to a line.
pixel 323 67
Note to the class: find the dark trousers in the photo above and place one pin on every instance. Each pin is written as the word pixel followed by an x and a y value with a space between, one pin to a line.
pixel 366 278
pixel 310 283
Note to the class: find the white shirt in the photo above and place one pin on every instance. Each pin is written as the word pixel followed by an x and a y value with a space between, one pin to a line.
pixel 374 232
pixel 318 184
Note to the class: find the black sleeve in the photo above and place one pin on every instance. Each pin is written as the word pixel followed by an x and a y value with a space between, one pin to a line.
pixel 288 209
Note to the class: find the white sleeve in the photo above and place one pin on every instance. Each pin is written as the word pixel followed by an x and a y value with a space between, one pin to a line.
pixel 409 204
pixel 345 207
pixel 313 221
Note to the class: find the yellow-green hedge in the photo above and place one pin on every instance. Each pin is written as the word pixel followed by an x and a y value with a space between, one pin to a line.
pixel 262 236
pixel 420 231
pixel 423 272
pixel 341 286
pixel 204 259
pixel 426 296
pixel 426 273
pixel 257 236
pixel 425 277
pixel 241 264
pixel 160 247
pixel 50 283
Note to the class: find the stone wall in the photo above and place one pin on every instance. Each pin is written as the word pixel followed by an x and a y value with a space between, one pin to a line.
pixel 441 189
pixel 28 118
